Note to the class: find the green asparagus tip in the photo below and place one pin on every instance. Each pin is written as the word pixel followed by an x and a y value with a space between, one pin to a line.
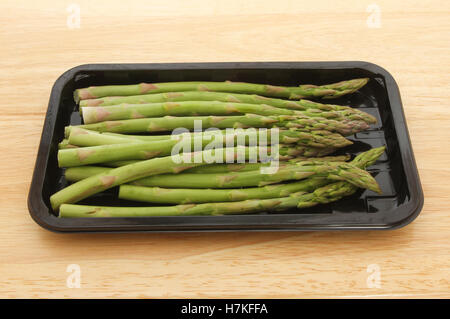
pixel 376 152
pixel 368 158
pixel 357 83
pixel 364 81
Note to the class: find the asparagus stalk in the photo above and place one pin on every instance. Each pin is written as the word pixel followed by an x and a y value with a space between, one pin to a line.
pixel 114 152
pixel 302 170
pixel 187 108
pixel 189 195
pixel 320 139
pixel 77 173
pixel 204 108
pixel 169 123
pixel 325 91
pixel 83 137
pixel 300 105
pixel 146 138
pixel 324 194
pixel 245 167
pixel 128 173
pixel 238 167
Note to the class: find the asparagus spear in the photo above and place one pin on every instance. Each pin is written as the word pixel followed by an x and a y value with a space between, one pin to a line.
pixel 321 139
pixel 128 173
pixel 146 138
pixel 78 173
pixel 195 108
pixel 324 194
pixel 245 167
pixel 302 170
pixel 189 195
pixel 118 152
pixel 223 168
pixel 169 123
pixel 326 91
pixel 75 174
pixel 83 137
pixel 225 97
pixel 187 108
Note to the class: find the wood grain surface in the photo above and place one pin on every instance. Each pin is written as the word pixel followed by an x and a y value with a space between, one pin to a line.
pixel 40 40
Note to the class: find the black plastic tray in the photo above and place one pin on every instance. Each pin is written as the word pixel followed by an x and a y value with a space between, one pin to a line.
pixel 396 171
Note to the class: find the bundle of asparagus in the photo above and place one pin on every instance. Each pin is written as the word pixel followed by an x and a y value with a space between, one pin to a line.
pixel 316 190
pixel 297 132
